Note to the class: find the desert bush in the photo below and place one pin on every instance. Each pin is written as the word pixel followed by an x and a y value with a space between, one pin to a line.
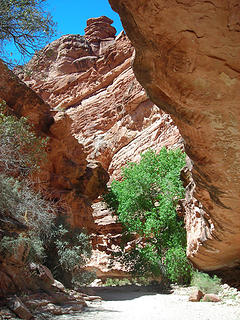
pixel 206 283
pixel 145 200
pixel 65 249
pixel 110 282
pixel 72 250
pixel 29 246
pixel 20 153
pixel 18 200
pixel 21 150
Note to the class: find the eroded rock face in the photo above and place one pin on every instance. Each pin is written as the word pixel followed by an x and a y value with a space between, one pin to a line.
pixel 65 176
pixel 23 101
pixel 99 29
pixel 110 113
pixel 111 116
pixel 187 58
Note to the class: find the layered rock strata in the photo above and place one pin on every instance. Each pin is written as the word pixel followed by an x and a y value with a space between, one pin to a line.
pixel 112 117
pixel 187 59
pixel 66 176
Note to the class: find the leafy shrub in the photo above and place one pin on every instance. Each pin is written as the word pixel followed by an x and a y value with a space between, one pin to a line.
pixel 178 268
pixel 82 277
pixel 206 283
pixel 30 246
pixel 21 150
pixel 72 250
pixel 145 202
pixel 66 250
pixel 139 281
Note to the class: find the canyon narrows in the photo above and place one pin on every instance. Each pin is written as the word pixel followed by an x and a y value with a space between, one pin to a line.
pixel 81 92
pixel 89 81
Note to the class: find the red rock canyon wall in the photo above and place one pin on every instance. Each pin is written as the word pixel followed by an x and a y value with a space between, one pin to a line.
pixel 89 80
pixel 188 60
pixel 66 175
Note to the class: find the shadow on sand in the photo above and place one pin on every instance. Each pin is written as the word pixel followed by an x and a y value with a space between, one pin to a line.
pixel 128 292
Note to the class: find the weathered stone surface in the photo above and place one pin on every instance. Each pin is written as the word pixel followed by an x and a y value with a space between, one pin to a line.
pixel 187 58
pixel 14 274
pixel 111 117
pixel 55 303
pixel 63 90
pixel 100 265
pixel 99 29
pixel 65 176
pixel 210 297
pixel 196 296
pixel 16 305
pixel 69 54
pixel 23 101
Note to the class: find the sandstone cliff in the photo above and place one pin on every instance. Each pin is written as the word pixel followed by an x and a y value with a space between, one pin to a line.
pixel 65 176
pixel 89 80
pixel 187 59
pixel 111 115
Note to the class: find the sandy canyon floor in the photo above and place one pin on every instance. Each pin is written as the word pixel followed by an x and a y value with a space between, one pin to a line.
pixel 135 303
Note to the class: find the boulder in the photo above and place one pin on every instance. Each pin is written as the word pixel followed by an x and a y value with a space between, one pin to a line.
pixel 196 296
pixel 210 297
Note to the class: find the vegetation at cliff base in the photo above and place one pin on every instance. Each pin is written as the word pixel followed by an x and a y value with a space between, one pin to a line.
pixel 29 228
pixel 145 200
pixel 69 249
pixel 205 282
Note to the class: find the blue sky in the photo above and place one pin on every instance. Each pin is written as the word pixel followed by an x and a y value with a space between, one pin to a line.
pixel 71 17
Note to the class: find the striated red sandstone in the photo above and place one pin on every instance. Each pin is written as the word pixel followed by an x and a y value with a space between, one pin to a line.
pixel 112 117
pixel 187 58
pixel 66 175
pixel 89 80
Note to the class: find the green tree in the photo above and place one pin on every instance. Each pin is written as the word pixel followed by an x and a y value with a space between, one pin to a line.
pixel 26 24
pixel 145 202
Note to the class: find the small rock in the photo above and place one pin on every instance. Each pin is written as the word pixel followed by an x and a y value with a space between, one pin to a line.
pixel 53 309
pixel 225 286
pixel 196 296
pixel 96 283
pixel 91 298
pixel 16 305
pixel 210 297
pixel 58 285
